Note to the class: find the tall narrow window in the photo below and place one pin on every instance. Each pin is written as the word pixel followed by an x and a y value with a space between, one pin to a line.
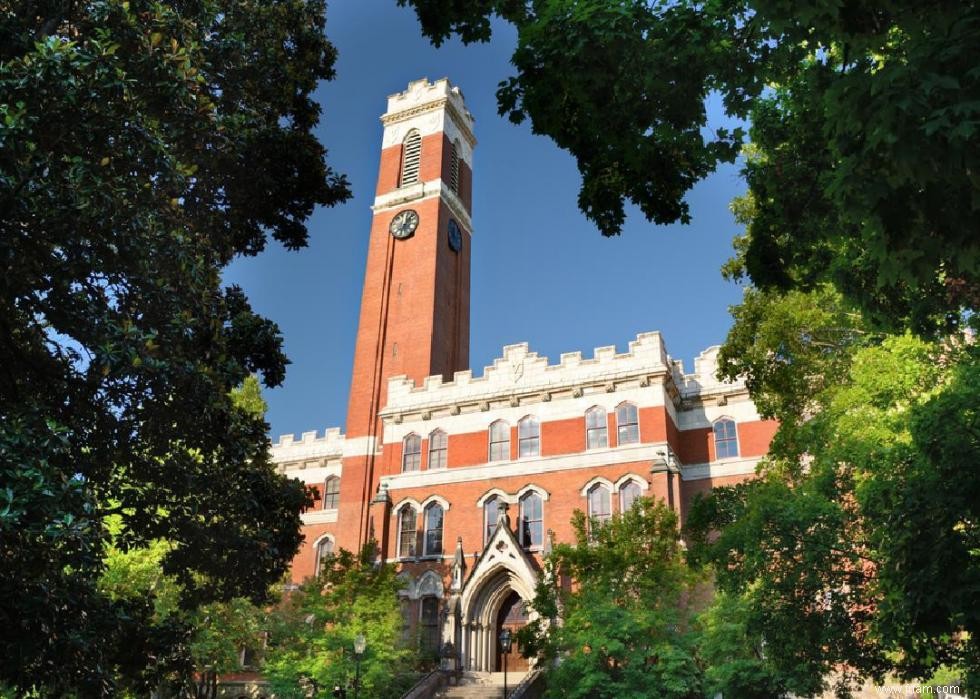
pixel 433 530
pixel 331 493
pixel 429 623
pixel 454 166
pixel 628 495
pixel 726 439
pixel 324 551
pixel 532 520
pixel 411 156
pixel 599 510
pixel 499 441
pixel 406 533
pixel 595 428
pixel 528 437
pixel 627 424
pixel 411 452
pixel 437 449
pixel 491 509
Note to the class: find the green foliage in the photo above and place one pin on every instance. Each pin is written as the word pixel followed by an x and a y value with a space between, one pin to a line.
pixel 862 169
pixel 143 146
pixel 312 632
pixel 625 597
pixel 858 546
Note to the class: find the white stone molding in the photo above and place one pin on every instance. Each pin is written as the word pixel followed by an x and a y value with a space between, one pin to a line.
pixel 319 516
pixel 420 191
pixel 429 584
pixel 495 492
pixel 360 446
pixel 527 467
pixel 597 480
pixel 532 488
pixel 631 478
pixel 721 469
pixel 406 502
pixel 437 499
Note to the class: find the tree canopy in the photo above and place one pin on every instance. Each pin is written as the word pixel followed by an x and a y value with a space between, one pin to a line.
pixel 857 547
pixel 312 632
pixel 143 146
pixel 625 598
pixel 864 119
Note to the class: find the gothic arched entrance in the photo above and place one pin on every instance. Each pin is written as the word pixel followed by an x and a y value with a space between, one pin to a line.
pixel 495 595
pixel 513 616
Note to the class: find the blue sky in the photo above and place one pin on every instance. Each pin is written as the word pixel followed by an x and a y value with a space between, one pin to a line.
pixel 541 272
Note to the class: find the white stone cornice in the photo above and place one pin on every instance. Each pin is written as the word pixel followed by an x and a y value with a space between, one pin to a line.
pixel 526 468
pixel 720 469
pixel 421 191
pixel 319 516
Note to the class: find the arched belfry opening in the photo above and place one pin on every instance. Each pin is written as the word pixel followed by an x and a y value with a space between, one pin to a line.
pixel 496 594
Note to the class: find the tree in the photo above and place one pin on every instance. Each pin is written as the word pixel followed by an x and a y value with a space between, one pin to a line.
pixel 863 129
pixel 625 598
pixel 857 547
pixel 144 146
pixel 311 634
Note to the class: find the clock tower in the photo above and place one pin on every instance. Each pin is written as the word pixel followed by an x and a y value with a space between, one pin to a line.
pixel 414 317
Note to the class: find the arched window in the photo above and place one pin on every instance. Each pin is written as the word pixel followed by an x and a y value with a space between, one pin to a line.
pixel 406 533
pixel 411 157
pixel 627 424
pixel 437 449
pixel 599 509
pixel 499 441
pixel 433 529
pixel 331 493
pixel 411 453
pixel 726 438
pixel 532 520
pixel 429 623
pixel 595 428
pixel 454 166
pixel 628 495
pixel 322 552
pixel 491 509
pixel 528 437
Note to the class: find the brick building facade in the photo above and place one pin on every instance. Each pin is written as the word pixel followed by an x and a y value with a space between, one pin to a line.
pixel 465 481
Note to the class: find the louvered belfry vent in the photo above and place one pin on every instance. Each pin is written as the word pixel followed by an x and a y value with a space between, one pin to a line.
pixel 454 168
pixel 411 155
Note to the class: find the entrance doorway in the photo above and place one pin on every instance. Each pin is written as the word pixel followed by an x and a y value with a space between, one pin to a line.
pixel 513 616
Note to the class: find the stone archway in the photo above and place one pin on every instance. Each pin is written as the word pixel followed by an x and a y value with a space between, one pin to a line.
pixel 483 617
pixel 502 571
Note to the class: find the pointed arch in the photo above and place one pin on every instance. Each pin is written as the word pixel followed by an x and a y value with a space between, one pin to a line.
pixel 726 438
pixel 454 166
pixel 411 158
pixel 596 428
pixel 499 437
pixel 411 452
pixel 528 437
pixel 627 423
pixel 438 448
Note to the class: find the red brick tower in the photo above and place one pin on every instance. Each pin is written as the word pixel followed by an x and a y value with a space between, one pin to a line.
pixel 414 317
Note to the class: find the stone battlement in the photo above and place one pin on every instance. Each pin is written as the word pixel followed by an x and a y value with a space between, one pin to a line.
pixel 309 445
pixel 519 370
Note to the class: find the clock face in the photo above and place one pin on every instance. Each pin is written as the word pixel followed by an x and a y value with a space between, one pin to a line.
pixel 404 223
pixel 455 236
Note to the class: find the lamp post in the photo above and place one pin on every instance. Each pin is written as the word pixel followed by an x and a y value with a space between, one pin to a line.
pixel 360 644
pixel 505 649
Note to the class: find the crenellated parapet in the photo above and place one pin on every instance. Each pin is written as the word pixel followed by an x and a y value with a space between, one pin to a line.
pixel 704 382
pixel 521 377
pixel 311 450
